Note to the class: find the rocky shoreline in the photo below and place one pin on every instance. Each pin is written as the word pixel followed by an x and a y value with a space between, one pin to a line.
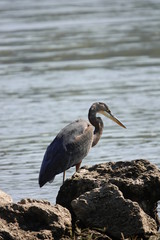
pixel 115 200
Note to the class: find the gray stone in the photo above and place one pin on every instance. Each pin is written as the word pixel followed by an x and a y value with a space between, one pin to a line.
pixel 105 207
pixel 138 180
pixel 136 183
pixel 33 219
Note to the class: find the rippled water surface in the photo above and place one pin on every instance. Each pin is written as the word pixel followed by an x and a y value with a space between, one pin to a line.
pixel 56 59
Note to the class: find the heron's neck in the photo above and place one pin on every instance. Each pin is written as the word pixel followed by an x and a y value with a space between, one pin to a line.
pixel 98 124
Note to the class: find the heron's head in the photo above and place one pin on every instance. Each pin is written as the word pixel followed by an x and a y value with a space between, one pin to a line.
pixel 102 108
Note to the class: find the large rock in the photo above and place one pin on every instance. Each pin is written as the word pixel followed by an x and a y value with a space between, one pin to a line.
pixel 105 207
pixel 137 181
pixel 106 201
pixel 33 220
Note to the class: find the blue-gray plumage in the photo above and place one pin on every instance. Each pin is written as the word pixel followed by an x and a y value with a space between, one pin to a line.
pixel 73 143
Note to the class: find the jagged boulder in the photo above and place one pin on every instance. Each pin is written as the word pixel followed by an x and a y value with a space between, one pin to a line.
pixel 33 219
pixel 138 182
pixel 105 207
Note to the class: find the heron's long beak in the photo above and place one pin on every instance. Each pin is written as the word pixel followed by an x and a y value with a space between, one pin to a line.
pixel 109 115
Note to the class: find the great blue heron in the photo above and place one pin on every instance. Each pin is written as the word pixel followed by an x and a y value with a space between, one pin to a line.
pixel 73 143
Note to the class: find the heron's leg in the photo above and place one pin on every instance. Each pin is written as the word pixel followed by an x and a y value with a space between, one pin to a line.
pixel 78 166
pixel 64 173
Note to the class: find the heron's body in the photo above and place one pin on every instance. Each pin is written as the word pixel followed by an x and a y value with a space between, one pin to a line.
pixel 69 147
pixel 72 144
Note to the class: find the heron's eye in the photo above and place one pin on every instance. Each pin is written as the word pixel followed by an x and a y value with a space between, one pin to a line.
pixel 101 104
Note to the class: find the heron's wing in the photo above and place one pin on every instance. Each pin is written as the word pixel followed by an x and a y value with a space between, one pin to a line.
pixel 79 146
pixel 53 163
pixel 69 147
pixel 77 139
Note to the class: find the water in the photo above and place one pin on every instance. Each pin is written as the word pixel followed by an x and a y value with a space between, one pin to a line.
pixel 56 59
